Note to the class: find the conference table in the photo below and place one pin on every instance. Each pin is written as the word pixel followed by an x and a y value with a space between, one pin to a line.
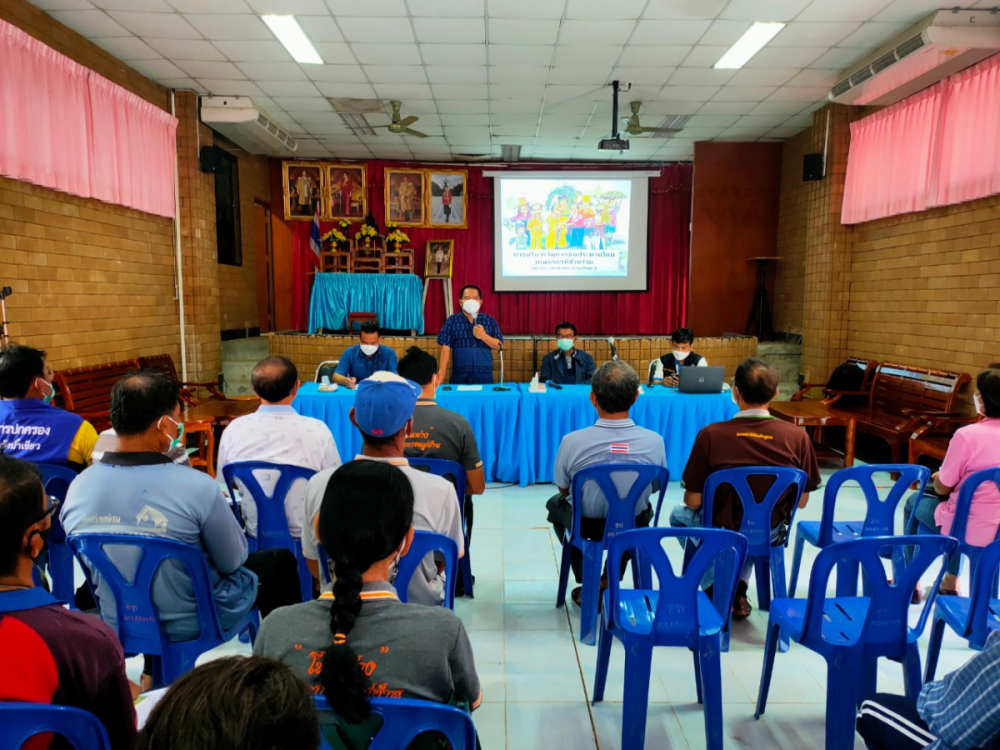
pixel 519 432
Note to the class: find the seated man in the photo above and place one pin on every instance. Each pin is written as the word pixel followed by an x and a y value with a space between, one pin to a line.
pixel 567 365
pixel 441 433
pixel 278 434
pixel 30 427
pixel 752 438
pixel 667 368
pixel 958 712
pixel 136 489
pixel 51 654
pixel 383 412
pixel 363 359
pixel 613 439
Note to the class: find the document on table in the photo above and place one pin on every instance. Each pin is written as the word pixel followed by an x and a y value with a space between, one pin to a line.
pixel 469 388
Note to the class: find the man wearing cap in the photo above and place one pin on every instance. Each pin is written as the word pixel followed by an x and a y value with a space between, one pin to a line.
pixel 383 412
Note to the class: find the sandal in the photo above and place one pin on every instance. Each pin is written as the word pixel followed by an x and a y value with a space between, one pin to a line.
pixel 577 597
pixel 741 604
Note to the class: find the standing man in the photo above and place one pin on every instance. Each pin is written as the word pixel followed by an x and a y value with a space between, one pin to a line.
pixel 666 369
pixel 446 203
pixel 365 358
pixel 346 194
pixel 406 192
pixel 473 337
pixel 567 365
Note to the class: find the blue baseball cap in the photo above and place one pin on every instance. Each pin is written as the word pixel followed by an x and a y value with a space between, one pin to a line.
pixel 385 403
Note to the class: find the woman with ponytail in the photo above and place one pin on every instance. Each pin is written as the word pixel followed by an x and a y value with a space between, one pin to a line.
pixel 360 641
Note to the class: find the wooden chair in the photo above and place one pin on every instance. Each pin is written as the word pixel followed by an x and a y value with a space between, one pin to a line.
pixel 931 439
pixel 165 364
pixel 87 390
pixel 204 458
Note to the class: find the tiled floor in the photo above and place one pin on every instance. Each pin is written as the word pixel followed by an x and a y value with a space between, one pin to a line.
pixel 537 676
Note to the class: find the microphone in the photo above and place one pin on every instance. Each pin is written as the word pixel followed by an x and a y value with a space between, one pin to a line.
pixel 614 352
pixel 552 384
pixel 501 387
pixel 652 369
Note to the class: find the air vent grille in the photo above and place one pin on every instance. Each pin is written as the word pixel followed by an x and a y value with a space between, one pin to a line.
pixel 884 62
pixel 842 87
pixel 861 76
pixel 910 46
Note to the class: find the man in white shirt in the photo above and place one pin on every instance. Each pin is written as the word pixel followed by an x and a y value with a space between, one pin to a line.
pixel 383 411
pixel 276 433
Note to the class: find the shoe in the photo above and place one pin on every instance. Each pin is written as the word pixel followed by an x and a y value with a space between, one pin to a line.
pixel 741 604
pixel 577 597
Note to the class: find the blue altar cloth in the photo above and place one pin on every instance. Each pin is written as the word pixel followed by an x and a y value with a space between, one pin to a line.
pixel 397 299
pixel 678 417
pixel 494 416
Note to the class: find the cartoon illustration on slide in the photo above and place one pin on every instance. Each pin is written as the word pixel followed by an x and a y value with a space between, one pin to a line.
pixel 564 217
pixel 535 226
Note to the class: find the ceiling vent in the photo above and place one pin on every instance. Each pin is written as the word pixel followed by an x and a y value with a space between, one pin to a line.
pixel 674 122
pixel 356 106
pixel 238 118
pixel 944 43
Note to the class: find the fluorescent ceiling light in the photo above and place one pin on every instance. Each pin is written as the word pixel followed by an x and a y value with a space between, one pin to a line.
pixel 290 34
pixel 748 45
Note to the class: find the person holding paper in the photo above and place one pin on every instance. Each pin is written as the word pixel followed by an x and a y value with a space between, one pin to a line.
pixel 473 337
pixel 667 369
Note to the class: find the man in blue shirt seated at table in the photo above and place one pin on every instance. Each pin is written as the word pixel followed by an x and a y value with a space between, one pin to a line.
pixel 567 365
pixel 365 358
pixel 473 337
pixel 613 439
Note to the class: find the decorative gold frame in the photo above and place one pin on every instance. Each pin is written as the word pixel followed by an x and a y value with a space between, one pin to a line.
pixel 427 259
pixel 286 166
pixel 422 202
pixel 329 214
pixel 465 198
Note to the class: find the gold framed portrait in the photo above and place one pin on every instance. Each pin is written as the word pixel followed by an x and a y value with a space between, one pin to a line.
pixel 346 191
pixel 446 198
pixel 303 188
pixel 405 203
pixel 440 259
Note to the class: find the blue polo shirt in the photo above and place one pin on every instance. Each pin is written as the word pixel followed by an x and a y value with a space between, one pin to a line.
pixel 354 363
pixel 471 359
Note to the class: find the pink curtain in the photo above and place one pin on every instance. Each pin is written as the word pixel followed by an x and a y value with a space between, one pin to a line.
pixel 889 164
pixel 969 151
pixel 62 126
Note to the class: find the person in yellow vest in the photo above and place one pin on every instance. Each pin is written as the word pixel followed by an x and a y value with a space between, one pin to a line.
pixel 536 226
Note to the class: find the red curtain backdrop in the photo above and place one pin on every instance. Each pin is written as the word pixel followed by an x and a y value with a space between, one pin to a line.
pixel 658 310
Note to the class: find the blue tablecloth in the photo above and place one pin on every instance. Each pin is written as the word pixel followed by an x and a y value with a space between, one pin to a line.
pixel 332 408
pixel 677 416
pixel 397 299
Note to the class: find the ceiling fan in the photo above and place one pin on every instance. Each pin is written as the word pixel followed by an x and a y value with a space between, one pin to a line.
pixel 401 126
pixel 633 127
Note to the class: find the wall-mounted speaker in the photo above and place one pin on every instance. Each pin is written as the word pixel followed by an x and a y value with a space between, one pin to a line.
pixel 812 167
pixel 211 157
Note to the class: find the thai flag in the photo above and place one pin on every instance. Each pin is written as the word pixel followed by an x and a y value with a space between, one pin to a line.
pixel 315 241
pixel 619 447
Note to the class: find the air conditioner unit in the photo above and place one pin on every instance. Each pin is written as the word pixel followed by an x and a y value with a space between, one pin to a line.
pixel 238 118
pixel 942 44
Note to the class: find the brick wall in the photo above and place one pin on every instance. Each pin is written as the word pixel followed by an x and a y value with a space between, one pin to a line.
pixel 308 351
pixel 792 218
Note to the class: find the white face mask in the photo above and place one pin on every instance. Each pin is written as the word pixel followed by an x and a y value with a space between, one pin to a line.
pixel 978 401
pixel 471 306
pixel 369 349
pixel 680 356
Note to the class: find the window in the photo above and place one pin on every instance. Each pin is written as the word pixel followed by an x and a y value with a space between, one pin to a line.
pixel 227 209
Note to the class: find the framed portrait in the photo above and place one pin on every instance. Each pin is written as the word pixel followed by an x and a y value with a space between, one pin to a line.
pixel 302 183
pixel 346 191
pixel 446 191
pixel 404 197
pixel 440 257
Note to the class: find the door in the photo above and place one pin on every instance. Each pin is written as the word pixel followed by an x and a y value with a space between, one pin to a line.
pixel 265 267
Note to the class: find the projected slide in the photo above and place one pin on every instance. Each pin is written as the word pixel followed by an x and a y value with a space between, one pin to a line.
pixel 566 231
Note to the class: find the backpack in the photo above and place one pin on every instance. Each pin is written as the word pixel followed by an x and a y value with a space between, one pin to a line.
pixel 848 377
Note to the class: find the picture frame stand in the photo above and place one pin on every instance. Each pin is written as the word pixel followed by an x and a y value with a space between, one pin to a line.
pixel 449 305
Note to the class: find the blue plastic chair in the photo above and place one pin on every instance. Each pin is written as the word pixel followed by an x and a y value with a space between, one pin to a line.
pixel 973 618
pixel 879 517
pixel 851 633
pixel 272 524
pixel 19 722
pixel 425 542
pixel 57 480
pixel 678 614
pixel 138 622
pixel 620 518
pixel 324 565
pixel 404 719
pixel 454 473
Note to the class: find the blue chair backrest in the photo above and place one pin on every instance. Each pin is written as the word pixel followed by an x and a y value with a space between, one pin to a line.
pixel 272 524
pixel 57 480
pixel 964 505
pixel 405 719
pixel 425 542
pixel 756 524
pixel 889 603
pixel 621 510
pixel 983 590
pixel 881 514
pixel 677 606
pixel 325 576
pixel 450 470
pixel 138 620
pixel 19 722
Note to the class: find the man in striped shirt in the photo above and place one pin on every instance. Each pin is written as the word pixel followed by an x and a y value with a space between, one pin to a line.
pixel 959 712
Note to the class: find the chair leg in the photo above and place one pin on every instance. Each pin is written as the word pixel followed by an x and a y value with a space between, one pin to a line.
pixel 604 643
pixel 564 567
pixel 466 563
pixel 593 556
pixel 711 678
pixel 762 572
pixel 777 563
pixel 770 645
pixel 800 543
pixel 638 665
pixel 934 649
pixel 843 674
pixel 868 684
pixel 911 671
pixel 697 674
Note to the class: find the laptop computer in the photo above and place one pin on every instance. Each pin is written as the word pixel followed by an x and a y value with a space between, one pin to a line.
pixel 701 379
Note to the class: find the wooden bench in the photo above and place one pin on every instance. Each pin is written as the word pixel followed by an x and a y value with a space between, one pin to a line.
pixel 165 364
pixel 867 366
pixel 901 397
pixel 87 390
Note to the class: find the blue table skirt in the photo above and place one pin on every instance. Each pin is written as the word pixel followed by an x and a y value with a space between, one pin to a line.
pixel 677 416
pixel 397 299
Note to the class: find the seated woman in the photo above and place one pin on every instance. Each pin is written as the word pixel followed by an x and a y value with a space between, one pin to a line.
pixel 360 641
pixel 972 448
